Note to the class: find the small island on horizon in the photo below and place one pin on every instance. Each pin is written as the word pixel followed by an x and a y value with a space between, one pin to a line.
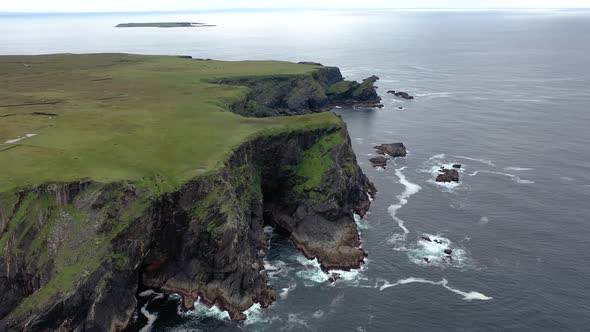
pixel 164 25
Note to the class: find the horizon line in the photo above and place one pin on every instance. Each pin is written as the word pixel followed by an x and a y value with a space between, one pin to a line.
pixel 285 9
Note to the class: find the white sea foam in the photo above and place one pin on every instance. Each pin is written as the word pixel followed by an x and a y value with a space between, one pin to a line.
pixel 433 95
pixel 285 291
pixel 484 220
pixel 361 223
pixel 151 292
pixel 351 278
pixel 312 273
pixel 518 169
pixel 437 156
pixel 268 230
pixel 257 315
pixel 483 161
pixel 468 296
pixel 201 310
pixel 295 322
pixel 276 268
pixel 511 176
pixel 411 189
pixel 432 247
pixel 318 314
pixel 12 141
pixel 150 317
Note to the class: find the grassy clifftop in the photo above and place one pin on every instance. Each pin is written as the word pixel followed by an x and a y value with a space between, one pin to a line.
pixel 110 117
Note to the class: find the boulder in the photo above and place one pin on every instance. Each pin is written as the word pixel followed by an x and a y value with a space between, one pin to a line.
pixel 448 175
pixel 379 161
pixel 394 149
pixel 457 166
pixel 448 251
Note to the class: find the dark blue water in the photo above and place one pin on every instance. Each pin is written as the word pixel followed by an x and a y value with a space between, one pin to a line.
pixel 506 94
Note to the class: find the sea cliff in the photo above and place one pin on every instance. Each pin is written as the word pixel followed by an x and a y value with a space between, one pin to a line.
pixel 74 253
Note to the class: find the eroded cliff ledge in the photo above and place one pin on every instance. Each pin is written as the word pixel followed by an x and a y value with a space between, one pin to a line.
pixel 73 254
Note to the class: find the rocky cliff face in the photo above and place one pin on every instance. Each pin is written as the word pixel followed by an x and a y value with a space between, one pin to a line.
pixel 276 96
pixel 72 255
pixel 204 240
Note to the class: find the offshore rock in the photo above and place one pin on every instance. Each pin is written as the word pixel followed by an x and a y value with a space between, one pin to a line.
pixel 448 175
pixel 401 94
pixel 379 161
pixel 394 149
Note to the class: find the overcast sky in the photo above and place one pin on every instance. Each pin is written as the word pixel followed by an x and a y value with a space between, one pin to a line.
pixel 154 5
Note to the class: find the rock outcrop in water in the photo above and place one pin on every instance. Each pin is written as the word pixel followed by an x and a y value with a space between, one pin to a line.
pixel 320 92
pixel 203 240
pixel 394 150
pixel 379 161
pixel 448 175
pixel 401 94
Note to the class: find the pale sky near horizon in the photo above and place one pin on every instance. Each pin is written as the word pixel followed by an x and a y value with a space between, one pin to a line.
pixel 171 5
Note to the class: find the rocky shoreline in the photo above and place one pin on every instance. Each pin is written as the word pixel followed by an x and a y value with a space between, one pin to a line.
pixel 320 92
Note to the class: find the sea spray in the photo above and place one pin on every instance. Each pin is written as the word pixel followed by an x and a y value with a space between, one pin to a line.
pixel 429 250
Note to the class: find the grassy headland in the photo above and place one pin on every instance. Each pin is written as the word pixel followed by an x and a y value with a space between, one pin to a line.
pixel 112 117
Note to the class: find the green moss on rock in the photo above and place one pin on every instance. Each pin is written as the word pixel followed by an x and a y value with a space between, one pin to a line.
pixel 316 161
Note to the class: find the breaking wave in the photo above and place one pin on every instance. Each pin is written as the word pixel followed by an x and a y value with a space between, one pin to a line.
pixel 429 250
pixel 201 310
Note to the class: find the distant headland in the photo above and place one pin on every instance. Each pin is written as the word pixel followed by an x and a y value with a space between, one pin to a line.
pixel 164 25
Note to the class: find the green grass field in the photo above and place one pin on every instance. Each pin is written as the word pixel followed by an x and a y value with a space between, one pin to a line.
pixel 127 117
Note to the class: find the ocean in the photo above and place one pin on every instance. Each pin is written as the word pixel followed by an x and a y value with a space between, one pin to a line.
pixel 506 94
